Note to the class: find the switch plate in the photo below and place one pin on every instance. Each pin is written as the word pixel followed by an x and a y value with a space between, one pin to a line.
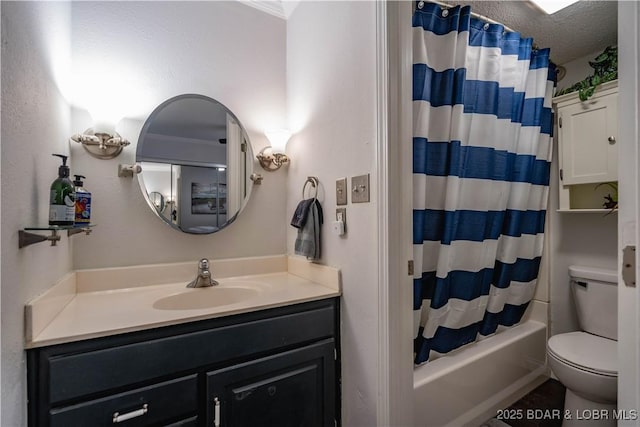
pixel 341 191
pixel 360 189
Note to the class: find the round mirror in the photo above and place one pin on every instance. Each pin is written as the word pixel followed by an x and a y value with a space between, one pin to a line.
pixel 196 164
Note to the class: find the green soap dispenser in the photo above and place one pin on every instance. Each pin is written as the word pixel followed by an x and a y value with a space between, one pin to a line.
pixel 62 207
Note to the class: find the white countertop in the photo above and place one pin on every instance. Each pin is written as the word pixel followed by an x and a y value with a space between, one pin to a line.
pixel 67 314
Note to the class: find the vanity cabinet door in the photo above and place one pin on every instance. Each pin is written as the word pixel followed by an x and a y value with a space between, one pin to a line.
pixel 294 388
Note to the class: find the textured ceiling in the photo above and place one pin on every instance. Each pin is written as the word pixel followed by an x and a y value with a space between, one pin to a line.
pixel 578 30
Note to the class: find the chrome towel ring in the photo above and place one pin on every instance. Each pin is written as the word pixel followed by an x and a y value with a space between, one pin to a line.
pixel 315 183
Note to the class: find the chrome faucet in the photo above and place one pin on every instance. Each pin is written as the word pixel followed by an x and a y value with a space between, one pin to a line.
pixel 203 279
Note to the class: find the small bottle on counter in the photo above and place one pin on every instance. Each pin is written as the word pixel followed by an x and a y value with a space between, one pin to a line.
pixel 83 202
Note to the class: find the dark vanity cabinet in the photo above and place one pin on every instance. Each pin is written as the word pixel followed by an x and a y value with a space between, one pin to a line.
pixel 275 367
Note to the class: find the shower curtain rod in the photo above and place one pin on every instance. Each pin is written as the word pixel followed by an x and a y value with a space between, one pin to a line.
pixel 477 15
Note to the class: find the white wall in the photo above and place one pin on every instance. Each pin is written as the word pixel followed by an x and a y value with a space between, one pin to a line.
pixel 225 50
pixel 578 70
pixel 35 123
pixel 575 239
pixel 332 111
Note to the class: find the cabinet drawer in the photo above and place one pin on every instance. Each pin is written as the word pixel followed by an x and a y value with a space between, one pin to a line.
pixel 75 375
pixel 159 404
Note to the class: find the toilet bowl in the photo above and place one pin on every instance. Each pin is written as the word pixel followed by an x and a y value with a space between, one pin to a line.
pixel 585 362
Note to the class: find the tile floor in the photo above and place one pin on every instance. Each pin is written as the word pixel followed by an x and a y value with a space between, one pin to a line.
pixel 540 408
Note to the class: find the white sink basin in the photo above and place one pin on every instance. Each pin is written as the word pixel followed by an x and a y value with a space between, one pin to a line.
pixel 213 296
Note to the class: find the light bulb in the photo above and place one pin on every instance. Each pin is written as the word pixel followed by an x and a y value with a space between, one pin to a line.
pixel 278 139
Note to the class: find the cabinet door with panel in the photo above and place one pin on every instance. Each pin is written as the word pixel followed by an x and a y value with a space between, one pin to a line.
pixel 289 389
pixel 587 133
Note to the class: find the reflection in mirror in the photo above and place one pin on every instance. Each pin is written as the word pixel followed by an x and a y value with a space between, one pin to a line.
pixel 157 199
pixel 196 162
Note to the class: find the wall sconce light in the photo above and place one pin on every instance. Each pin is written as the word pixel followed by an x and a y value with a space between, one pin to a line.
pixel 102 142
pixel 273 158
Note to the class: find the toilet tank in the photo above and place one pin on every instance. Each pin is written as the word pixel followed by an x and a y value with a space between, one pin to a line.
pixel 595 291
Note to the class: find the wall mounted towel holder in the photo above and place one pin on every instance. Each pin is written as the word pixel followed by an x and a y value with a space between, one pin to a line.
pixel 315 183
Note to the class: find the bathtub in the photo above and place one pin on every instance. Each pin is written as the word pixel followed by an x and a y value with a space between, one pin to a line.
pixel 467 386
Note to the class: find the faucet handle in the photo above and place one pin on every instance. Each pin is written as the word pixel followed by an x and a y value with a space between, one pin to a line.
pixel 203 279
pixel 203 264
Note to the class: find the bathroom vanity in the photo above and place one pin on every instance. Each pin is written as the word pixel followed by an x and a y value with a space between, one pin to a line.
pixel 270 364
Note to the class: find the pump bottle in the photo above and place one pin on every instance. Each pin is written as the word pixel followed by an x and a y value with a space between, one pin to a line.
pixel 62 207
pixel 83 202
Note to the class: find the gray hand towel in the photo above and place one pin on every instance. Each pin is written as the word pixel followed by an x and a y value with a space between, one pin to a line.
pixel 308 240
pixel 301 213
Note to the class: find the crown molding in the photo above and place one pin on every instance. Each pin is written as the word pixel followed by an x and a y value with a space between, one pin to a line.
pixel 272 7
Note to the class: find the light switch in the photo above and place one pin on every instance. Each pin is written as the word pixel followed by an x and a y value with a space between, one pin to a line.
pixel 341 191
pixel 360 189
pixel 340 224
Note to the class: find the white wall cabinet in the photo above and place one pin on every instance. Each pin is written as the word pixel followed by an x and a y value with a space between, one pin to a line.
pixel 587 135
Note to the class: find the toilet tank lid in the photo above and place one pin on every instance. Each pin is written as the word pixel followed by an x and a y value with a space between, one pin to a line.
pixel 591 273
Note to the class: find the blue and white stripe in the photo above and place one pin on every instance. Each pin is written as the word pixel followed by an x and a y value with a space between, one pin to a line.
pixel 481 161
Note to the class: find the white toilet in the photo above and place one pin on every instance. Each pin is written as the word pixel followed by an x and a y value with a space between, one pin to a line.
pixel 586 362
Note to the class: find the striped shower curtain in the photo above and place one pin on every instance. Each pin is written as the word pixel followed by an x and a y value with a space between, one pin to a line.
pixel 481 160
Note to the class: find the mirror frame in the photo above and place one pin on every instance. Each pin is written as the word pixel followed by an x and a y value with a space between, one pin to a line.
pixel 249 162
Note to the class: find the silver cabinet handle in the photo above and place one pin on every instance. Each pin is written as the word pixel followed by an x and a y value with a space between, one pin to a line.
pixel 216 412
pixel 612 140
pixel 117 418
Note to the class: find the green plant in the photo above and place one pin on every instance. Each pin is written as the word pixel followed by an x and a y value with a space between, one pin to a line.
pixel 610 200
pixel 605 68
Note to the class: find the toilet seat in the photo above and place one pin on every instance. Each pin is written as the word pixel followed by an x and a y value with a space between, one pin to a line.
pixel 586 352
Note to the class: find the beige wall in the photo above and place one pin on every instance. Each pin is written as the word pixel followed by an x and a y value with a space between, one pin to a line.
pixel 331 90
pixel 35 123
pixel 225 50
pixel 320 64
